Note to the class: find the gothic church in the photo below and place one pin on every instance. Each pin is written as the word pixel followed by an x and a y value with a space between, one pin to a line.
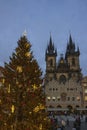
pixel 63 78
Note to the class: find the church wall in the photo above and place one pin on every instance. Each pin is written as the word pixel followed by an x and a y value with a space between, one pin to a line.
pixel 63 94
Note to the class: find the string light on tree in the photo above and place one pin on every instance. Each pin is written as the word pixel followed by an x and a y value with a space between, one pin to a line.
pixel 23 79
pixel 19 69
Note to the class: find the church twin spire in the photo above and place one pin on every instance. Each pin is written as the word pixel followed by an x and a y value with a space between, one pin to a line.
pixel 50 48
pixel 71 49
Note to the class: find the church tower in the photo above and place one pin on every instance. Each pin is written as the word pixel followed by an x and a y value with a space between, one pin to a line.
pixel 72 58
pixel 63 78
pixel 50 58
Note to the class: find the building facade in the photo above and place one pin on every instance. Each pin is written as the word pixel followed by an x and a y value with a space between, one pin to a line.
pixel 63 87
pixel 84 87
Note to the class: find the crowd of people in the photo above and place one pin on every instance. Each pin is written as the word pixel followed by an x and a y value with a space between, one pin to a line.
pixel 63 123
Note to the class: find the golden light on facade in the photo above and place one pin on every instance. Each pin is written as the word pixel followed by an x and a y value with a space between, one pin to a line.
pixel 85 98
pixel 48 98
pixel 78 98
pixel 3 80
pixel 12 109
pixel 85 91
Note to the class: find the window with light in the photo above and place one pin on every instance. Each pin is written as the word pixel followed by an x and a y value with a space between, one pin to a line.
pixel 85 98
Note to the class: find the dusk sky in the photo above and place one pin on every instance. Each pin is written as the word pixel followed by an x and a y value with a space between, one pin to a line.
pixel 40 18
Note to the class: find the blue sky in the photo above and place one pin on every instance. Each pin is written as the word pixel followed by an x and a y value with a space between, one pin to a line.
pixel 40 18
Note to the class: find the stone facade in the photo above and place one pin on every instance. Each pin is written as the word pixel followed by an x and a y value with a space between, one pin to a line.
pixel 63 77
pixel 84 87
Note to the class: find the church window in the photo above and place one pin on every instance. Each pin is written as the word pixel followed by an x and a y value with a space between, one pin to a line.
pixel 85 98
pixel 62 79
pixel 68 98
pixel 48 98
pixel 50 62
pixel 85 84
pixel 53 98
pixel 73 62
pixel 53 89
pixel 78 98
pixel 58 98
pixel 85 90
pixel 73 98
pixel 50 89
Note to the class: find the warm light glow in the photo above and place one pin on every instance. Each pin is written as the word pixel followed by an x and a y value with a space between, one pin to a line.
pixel 40 126
pixel 19 69
pixel 53 98
pixel 85 90
pixel 27 45
pixel 78 98
pixel 84 84
pixel 27 54
pixel 48 98
pixel 12 108
pixel 9 88
pixel 34 87
pixel 85 98
pixel 38 108
pixel 3 80
pixel 41 106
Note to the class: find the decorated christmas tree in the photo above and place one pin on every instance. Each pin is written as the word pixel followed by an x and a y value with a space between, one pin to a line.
pixel 24 100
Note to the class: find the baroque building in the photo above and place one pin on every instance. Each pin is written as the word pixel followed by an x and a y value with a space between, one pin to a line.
pixel 63 77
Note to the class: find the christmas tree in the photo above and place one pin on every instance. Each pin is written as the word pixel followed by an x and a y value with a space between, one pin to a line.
pixel 24 100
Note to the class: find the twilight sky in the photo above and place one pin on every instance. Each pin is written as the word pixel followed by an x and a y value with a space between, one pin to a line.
pixel 40 18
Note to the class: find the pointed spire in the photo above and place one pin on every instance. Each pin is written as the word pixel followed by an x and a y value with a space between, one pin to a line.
pixel 70 39
pixel 50 42
pixel 50 48
pixel 71 45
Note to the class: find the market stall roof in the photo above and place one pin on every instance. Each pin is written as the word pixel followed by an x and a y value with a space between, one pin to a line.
pixel 57 109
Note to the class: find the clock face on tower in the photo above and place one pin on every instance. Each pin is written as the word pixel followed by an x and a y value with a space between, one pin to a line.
pixel 62 79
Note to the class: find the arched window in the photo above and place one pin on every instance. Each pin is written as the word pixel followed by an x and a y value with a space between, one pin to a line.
pixel 73 61
pixel 51 62
pixel 62 79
